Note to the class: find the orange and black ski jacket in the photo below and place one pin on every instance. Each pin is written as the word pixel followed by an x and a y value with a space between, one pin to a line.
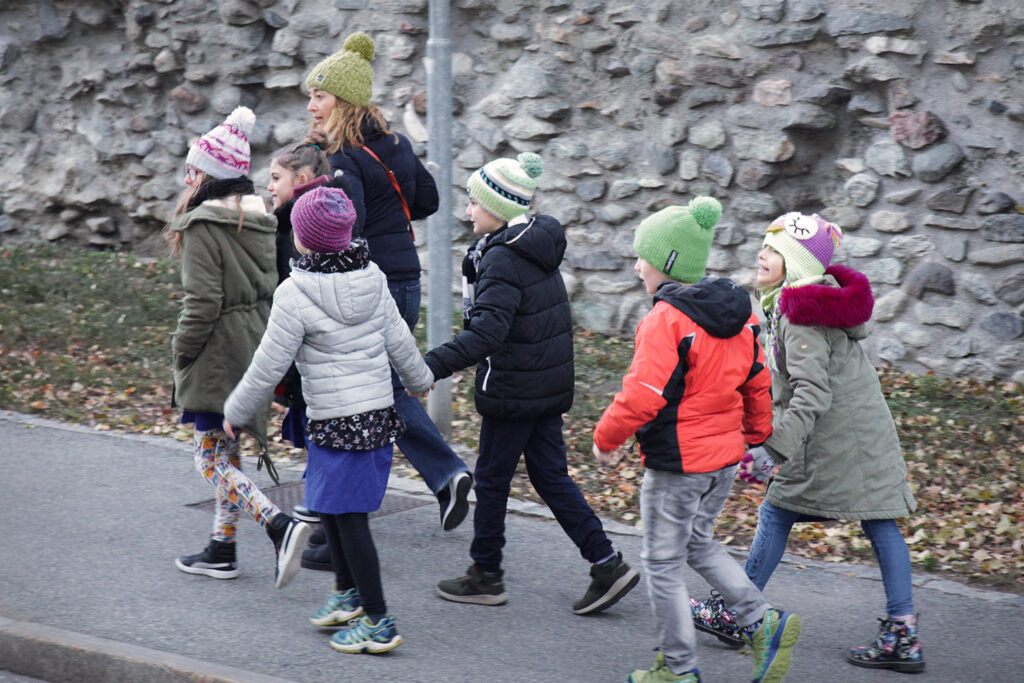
pixel 697 391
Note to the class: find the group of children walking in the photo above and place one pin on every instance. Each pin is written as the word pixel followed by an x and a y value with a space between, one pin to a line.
pixel 318 306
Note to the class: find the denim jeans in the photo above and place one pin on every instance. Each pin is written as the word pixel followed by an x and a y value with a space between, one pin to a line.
pixel 422 444
pixel 502 444
pixel 773 527
pixel 679 512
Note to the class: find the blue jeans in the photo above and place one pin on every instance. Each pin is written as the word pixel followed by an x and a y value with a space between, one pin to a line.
pixel 679 510
pixel 422 444
pixel 502 444
pixel 774 524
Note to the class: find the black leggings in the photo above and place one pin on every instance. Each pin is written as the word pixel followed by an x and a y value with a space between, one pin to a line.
pixel 354 557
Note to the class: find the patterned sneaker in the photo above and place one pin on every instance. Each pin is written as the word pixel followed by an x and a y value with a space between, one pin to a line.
pixel 476 587
pixel 712 617
pixel 366 636
pixel 217 560
pixel 897 647
pixel 610 581
pixel 341 607
pixel 660 673
pixel 772 644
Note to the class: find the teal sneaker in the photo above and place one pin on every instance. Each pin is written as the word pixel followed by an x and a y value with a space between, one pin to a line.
pixel 772 645
pixel 341 607
pixel 660 673
pixel 367 636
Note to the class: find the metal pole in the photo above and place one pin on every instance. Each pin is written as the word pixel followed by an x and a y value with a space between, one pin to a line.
pixel 439 226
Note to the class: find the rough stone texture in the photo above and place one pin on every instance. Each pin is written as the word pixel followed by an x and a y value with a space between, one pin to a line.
pixel 1003 326
pixel 957 315
pixel 850 109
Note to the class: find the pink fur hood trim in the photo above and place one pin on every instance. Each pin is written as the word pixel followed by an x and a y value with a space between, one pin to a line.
pixel 848 305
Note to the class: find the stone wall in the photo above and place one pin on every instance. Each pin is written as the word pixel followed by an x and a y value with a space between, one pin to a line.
pixel 901 123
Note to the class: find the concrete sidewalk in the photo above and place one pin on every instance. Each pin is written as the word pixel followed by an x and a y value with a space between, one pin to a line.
pixel 88 590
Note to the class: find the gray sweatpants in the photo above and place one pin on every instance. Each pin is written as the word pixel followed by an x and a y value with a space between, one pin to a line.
pixel 679 512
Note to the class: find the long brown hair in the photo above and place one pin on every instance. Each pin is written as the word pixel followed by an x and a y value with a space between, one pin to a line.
pixel 173 237
pixel 345 123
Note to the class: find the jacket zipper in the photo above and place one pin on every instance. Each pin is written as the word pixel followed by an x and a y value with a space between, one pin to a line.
pixel 487 375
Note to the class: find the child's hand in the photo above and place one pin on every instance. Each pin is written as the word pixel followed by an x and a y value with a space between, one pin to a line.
pixel 757 465
pixel 431 388
pixel 606 457
pixel 228 429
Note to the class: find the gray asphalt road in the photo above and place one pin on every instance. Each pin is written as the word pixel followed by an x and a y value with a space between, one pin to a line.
pixel 92 522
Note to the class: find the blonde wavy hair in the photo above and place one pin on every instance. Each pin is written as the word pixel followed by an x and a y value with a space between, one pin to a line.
pixel 344 125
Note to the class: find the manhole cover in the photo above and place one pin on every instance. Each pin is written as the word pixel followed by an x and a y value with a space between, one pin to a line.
pixel 287 495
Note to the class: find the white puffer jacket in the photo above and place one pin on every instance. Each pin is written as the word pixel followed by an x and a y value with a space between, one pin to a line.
pixel 342 329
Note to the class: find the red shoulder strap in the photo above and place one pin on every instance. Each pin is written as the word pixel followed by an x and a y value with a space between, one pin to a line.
pixel 394 184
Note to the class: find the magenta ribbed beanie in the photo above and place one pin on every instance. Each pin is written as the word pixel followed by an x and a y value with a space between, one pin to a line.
pixel 323 218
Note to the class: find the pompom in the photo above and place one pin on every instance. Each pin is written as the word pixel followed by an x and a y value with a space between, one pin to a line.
pixel 242 119
pixel 361 43
pixel 706 211
pixel 532 164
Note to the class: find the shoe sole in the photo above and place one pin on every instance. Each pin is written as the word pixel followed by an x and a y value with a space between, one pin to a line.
pixel 207 571
pixel 734 642
pixel 458 505
pixel 316 566
pixel 626 583
pixel 902 667
pixel 782 647
pixel 370 647
pixel 308 519
pixel 288 560
pixel 337 618
pixel 492 600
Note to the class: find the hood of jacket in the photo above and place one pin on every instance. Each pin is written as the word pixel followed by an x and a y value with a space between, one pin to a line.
pixel 841 300
pixel 718 305
pixel 538 239
pixel 224 212
pixel 349 297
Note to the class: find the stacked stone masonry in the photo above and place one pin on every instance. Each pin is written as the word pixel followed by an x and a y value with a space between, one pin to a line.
pixel 901 122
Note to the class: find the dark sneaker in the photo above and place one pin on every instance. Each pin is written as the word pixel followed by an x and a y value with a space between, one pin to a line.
pixel 289 536
pixel 217 560
pixel 897 647
pixel 318 537
pixel 303 513
pixel 477 587
pixel 660 673
pixel 317 558
pixel 366 636
pixel 453 499
pixel 772 644
pixel 712 617
pixel 341 607
pixel 610 581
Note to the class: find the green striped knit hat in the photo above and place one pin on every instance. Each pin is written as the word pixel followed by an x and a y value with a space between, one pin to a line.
pixel 347 74
pixel 504 187
pixel 677 239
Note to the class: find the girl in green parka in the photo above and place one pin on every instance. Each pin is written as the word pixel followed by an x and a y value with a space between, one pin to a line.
pixel 833 436
pixel 226 241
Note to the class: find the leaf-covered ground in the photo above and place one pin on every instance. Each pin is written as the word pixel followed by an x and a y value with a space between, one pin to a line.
pixel 84 338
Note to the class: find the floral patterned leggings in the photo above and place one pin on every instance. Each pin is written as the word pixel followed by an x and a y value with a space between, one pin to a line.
pixel 217 459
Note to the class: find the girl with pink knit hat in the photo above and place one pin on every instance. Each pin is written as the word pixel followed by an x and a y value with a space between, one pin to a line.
pixel 225 239
pixel 834 449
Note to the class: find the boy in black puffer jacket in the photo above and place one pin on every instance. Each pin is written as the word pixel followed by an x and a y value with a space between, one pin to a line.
pixel 518 330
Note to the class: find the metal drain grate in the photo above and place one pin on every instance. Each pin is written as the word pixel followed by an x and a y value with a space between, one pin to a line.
pixel 287 495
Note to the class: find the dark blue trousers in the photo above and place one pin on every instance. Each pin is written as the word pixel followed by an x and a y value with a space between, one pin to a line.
pixel 502 443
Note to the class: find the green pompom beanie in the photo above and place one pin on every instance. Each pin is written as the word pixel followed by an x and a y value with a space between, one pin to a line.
pixel 504 187
pixel 347 74
pixel 677 239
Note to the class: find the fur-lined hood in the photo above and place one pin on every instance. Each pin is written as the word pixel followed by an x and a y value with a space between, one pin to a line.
pixel 843 299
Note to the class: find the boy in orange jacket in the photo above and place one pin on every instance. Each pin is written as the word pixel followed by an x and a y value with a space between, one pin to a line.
pixel 697 393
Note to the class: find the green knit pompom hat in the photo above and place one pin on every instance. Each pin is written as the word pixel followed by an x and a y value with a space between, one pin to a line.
pixel 677 239
pixel 347 74
pixel 504 187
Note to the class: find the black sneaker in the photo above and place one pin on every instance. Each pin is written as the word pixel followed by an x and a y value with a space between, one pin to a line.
pixel 477 587
pixel 317 558
pixel 303 513
pixel 289 536
pixel 453 500
pixel 318 537
pixel 610 581
pixel 217 561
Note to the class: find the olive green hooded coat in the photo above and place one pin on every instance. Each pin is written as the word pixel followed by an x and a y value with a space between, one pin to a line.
pixel 832 427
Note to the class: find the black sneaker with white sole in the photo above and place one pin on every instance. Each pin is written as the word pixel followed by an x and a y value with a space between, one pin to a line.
pixel 453 499
pixel 217 560
pixel 303 513
pixel 289 536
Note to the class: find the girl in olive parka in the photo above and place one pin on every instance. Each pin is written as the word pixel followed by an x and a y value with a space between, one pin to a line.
pixel 226 240
pixel 833 435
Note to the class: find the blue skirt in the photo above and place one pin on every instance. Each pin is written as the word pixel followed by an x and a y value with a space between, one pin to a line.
pixel 340 481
